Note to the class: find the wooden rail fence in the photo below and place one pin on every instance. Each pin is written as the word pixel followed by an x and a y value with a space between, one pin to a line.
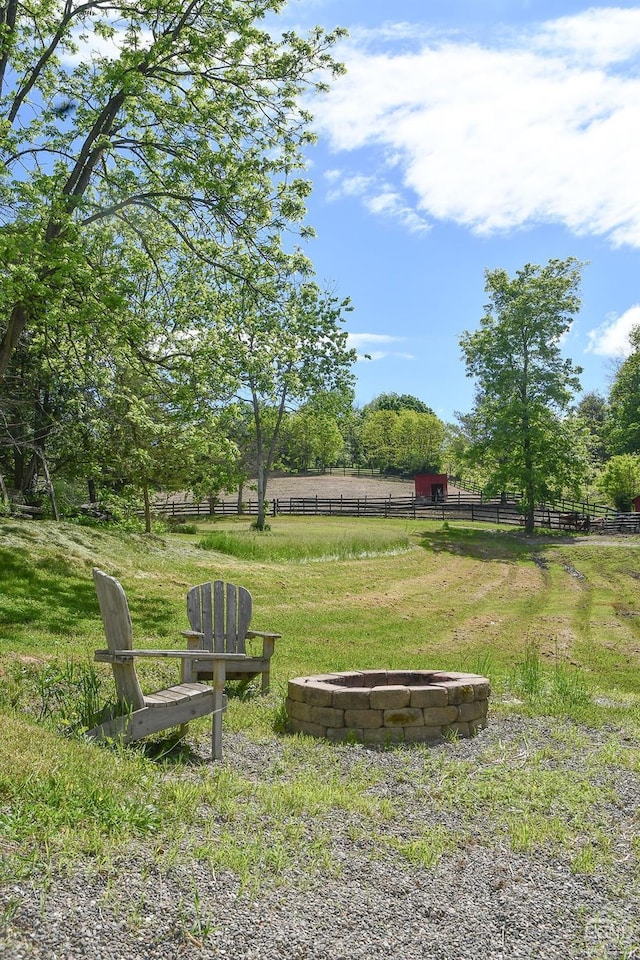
pixel 457 507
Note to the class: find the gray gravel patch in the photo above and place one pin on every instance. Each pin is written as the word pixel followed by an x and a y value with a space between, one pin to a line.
pixel 482 899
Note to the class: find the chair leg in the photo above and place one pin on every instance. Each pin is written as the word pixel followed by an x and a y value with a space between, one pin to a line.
pixel 219 674
pixel 268 645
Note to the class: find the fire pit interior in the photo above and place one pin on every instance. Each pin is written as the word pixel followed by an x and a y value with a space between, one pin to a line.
pixel 388 706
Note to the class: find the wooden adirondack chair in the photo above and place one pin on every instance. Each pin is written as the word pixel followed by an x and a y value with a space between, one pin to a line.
pixel 220 614
pixel 176 706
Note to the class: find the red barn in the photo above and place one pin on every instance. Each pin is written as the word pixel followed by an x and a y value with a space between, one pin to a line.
pixel 636 504
pixel 432 486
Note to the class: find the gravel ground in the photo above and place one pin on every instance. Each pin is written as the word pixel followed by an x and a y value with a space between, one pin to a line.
pixel 483 900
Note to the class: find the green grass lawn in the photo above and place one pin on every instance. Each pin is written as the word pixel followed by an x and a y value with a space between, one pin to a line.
pixel 554 622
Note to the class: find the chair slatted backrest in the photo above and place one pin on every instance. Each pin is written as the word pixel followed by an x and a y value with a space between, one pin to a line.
pixel 116 618
pixel 222 612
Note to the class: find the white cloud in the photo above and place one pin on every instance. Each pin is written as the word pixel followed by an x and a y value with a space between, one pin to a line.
pixel 378 196
pixel 390 203
pixel 611 339
pixel 373 355
pixel 536 128
pixel 366 344
pixel 348 186
pixel 357 340
pixel 604 35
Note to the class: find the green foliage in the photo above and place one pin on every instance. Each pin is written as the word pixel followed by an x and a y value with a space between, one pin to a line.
pixel 182 527
pixel 175 151
pixel 311 438
pixel 404 441
pixel 623 427
pixel 397 402
pixel 521 431
pixel 283 338
pixel 593 412
pixel 619 480
pixel 216 163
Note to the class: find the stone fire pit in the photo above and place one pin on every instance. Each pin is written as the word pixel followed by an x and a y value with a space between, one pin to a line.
pixel 388 706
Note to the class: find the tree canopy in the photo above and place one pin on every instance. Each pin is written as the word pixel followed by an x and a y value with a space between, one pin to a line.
pixel 620 480
pixel 188 111
pixel 278 342
pixel 397 402
pixel 405 441
pixel 148 150
pixel 624 403
pixel 521 428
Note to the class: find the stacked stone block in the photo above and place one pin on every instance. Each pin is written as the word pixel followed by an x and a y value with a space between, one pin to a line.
pixel 388 706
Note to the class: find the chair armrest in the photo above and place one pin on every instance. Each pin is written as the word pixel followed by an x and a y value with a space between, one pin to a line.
pixel 261 633
pixel 115 656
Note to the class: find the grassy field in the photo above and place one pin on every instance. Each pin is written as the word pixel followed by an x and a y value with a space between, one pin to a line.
pixel 553 621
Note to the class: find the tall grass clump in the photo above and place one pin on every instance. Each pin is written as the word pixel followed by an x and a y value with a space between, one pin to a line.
pixel 286 547
pixel 69 696
pixel 556 690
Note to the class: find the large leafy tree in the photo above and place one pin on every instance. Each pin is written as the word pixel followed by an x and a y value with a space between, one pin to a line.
pixel 311 438
pixel 623 426
pixel 521 426
pixel 397 402
pixel 57 361
pixel 184 109
pixel 402 440
pixel 620 480
pixel 281 336
pixel 376 438
pixel 593 412
pixel 418 440
pixel 148 441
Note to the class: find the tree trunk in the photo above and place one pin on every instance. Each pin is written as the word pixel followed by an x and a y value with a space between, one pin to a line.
pixel 50 490
pixel 147 509
pixel 529 522
pixel 93 493
pixel 5 494
pixel 17 323
pixel 18 468
pixel 260 522
pixel 240 501
pixel 260 469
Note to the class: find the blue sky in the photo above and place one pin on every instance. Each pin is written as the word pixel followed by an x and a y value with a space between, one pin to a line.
pixel 469 135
